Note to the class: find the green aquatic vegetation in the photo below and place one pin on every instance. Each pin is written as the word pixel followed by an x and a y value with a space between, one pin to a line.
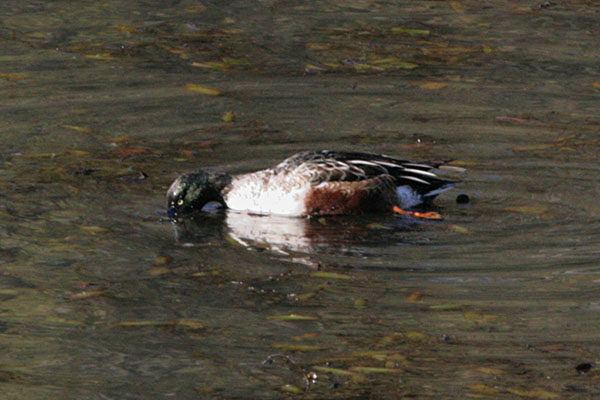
pixel 293 347
pixel 330 275
pixel 375 370
pixel 195 88
pixel 448 307
pixel 335 371
pixel 185 323
pixel 288 388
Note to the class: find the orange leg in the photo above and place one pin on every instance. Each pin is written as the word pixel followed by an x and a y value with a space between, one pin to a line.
pixel 416 214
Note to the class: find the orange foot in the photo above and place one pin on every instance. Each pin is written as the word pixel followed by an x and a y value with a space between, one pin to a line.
pixel 416 214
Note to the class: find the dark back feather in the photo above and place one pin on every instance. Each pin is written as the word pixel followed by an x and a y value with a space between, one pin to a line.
pixel 330 166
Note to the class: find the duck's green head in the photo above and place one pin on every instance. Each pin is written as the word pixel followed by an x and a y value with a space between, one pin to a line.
pixel 190 192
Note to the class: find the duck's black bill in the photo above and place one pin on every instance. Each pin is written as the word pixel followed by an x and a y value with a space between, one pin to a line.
pixel 172 213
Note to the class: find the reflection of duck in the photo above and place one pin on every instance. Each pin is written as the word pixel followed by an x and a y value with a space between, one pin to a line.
pixel 281 234
pixel 271 232
pixel 313 183
pixel 275 232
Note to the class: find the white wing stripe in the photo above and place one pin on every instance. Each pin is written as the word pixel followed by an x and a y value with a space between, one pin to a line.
pixel 389 164
pixel 418 171
pixel 415 165
pixel 363 162
pixel 413 178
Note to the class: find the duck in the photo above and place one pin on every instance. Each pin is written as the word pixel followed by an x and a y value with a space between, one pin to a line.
pixel 314 183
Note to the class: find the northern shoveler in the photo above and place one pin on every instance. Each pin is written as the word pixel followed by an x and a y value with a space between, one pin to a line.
pixel 313 183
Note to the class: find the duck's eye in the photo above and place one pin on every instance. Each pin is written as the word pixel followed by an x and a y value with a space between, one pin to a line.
pixel 180 202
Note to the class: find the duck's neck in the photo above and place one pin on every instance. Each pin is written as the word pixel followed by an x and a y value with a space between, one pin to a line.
pixel 220 183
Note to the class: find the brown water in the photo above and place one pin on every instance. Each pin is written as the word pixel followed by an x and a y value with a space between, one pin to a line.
pixel 102 298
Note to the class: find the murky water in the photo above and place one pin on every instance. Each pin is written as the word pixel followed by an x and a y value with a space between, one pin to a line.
pixel 102 298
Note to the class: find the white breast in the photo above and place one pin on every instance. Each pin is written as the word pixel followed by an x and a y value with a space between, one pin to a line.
pixel 265 193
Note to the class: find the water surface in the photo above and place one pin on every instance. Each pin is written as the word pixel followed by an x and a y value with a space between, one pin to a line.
pixel 103 298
